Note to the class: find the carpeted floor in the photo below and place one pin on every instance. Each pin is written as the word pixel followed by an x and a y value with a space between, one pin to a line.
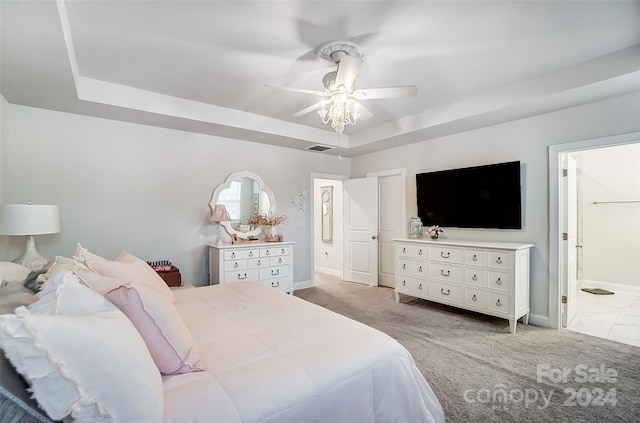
pixel 482 373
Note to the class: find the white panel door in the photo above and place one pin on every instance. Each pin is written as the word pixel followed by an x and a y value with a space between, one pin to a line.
pixel 360 210
pixel 568 256
pixel 392 224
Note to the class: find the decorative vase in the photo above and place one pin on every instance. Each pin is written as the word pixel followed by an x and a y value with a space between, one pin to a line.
pixel 434 236
pixel 272 233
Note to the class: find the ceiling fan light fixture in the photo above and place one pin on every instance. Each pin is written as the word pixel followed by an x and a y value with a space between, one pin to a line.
pixel 340 111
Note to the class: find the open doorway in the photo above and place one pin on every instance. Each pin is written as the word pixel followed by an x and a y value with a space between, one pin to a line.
pixel 599 237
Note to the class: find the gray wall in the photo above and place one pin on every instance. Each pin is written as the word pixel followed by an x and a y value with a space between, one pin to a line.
pixel 526 140
pixel 123 186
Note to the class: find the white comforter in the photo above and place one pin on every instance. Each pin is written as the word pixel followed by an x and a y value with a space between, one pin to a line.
pixel 272 357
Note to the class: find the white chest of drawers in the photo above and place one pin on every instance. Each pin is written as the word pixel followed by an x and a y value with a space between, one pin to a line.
pixel 485 277
pixel 270 263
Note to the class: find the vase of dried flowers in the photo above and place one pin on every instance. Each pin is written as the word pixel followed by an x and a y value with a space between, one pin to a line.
pixel 270 223
pixel 435 231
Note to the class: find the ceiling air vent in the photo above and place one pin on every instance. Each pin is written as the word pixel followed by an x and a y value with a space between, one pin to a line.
pixel 319 147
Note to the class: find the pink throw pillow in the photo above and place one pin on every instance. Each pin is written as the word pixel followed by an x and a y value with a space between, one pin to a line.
pixel 156 319
pixel 128 268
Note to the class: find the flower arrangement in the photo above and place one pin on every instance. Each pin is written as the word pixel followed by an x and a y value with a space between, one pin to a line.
pixel 267 219
pixel 435 231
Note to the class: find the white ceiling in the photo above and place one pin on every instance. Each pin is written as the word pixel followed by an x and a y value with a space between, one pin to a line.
pixel 200 65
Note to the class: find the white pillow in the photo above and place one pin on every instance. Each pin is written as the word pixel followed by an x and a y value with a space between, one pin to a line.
pixel 13 271
pixel 94 367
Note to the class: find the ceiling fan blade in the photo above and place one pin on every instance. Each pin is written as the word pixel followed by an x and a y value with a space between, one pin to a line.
pixel 348 70
pixel 364 112
pixel 298 90
pixel 309 109
pixel 387 92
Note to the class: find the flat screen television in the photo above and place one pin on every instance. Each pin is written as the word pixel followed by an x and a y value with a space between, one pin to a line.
pixel 472 197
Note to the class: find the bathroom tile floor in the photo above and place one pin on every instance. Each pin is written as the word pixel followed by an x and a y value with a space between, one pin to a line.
pixel 615 317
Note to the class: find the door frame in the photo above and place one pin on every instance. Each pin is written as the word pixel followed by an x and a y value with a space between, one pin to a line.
pixel 312 205
pixel 555 219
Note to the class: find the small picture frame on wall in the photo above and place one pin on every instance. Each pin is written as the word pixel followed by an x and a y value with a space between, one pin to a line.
pixel 326 213
pixel 256 203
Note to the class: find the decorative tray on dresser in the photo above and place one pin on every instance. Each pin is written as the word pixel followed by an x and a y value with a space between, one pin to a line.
pixel 486 277
pixel 268 262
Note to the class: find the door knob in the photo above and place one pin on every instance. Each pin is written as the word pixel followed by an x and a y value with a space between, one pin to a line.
pixel 373 237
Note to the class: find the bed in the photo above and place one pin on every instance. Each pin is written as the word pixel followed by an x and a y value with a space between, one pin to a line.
pixel 257 355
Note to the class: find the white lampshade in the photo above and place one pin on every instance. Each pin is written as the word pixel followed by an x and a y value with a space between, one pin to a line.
pixel 29 220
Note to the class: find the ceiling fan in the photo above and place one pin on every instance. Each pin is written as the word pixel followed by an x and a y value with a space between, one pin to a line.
pixel 339 106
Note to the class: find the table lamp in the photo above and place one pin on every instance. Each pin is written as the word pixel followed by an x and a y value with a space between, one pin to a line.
pixel 219 215
pixel 30 220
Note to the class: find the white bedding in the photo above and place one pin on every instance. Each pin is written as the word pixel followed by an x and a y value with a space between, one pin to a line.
pixel 272 357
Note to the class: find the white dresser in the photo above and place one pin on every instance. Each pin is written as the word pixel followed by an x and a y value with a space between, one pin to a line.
pixel 485 277
pixel 268 262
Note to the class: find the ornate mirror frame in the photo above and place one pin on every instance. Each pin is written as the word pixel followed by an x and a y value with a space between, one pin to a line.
pixel 227 184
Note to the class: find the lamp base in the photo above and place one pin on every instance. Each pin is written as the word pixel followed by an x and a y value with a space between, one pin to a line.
pixel 31 258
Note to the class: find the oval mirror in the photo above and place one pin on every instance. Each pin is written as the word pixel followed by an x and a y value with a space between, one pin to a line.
pixel 243 194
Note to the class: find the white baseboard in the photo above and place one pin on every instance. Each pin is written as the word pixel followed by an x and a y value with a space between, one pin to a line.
pixel 328 271
pixel 609 286
pixel 302 285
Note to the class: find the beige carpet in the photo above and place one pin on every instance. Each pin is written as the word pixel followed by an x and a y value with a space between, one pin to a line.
pixel 482 373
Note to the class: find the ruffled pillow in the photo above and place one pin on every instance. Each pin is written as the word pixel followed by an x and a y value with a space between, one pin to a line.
pixel 128 268
pixel 155 317
pixel 92 366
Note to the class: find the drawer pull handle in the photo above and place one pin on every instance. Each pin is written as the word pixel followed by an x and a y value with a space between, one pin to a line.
pixel 420 269
pixel 443 256
pixel 404 250
pixel 235 265
pixel 474 278
pixel 282 252
pixel 267 253
pixel 445 274
pixel 404 283
pixel 419 286
pixel 498 281
pixel 498 303
pixel 499 260
pixel 475 258
pixel 275 284
pixel 279 260
pixel 250 253
pixel 259 263
pixel 445 293
pixel 242 277
pixel 474 298
pixel 233 255
pixel 277 272
pixel 404 267
pixel 420 252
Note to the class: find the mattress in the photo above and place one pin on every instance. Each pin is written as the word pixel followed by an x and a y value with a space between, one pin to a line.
pixel 273 357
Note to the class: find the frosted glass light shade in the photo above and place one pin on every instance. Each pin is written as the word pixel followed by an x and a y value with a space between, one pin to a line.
pixel 29 219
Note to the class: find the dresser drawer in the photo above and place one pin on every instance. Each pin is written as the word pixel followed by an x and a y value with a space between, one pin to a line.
pixel 476 257
pixel 280 260
pixel 499 280
pixel 420 268
pixel 475 297
pixel 274 272
pixel 446 292
pixel 256 263
pixel 235 265
pixel 446 272
pixel 405 266
pixel 251 253
pixel 476 277
pixel 275 251
pixel 404 250
pixel 498 302
pixel 420 252
pixel 283 284
pixel 233 254
pixel 421 286
pixel 500 259
pixel 448 254
pixel 242 275
pixel 403 282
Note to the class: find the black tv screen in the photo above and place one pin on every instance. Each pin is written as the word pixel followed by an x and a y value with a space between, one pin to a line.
pixel 473 197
